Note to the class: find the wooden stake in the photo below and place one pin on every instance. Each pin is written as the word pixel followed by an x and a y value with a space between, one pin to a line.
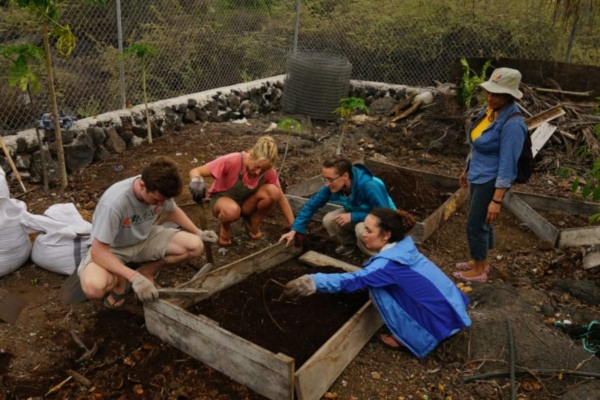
pixel 12 164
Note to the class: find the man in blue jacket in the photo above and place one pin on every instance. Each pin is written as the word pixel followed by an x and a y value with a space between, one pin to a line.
pixel 357 191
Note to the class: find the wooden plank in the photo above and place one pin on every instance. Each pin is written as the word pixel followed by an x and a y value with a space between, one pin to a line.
pixel 315 259
pixel 322 369
pixel 591 260
pixel 298 202
pixel 440 182
pixel 546 203
pixel 268 374
pixel 544 116
pixel 576 237
pixel 540 136
pixel 307 187
pixel 224 277
pixel 441 215
pixel 542 228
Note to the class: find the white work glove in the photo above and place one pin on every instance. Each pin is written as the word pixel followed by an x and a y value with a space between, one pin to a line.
pixel 208 236
pixel 143 288
pixel 303 286
pixel 198 189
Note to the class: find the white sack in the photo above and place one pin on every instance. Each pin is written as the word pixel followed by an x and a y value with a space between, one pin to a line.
pixel 64 240
pixel 15 246
pixel 4 191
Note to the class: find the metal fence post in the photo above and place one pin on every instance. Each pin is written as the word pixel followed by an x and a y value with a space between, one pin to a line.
pixel 296 26
pixel 121 68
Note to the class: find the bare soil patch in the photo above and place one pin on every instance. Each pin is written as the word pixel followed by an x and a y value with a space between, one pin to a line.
pixel 255 310
pixel 36 352
pixel 410 193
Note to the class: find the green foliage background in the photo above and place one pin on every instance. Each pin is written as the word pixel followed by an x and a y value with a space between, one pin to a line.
pixel 204 44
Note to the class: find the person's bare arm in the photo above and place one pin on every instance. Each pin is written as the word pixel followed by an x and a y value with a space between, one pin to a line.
pixel 286 209
pixel 202 171
pixel 181 219
pixel 102 256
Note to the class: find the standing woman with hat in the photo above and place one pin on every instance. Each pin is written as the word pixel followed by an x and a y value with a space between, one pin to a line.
pixel 496 138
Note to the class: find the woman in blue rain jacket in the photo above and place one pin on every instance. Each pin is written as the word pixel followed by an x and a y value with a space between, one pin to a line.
pixel 419 304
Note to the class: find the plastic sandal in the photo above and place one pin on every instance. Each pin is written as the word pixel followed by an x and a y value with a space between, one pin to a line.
pixel 479 278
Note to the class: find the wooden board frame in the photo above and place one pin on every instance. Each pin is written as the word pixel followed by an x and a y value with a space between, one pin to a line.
pixel 523 205
pixel 422 230
pixel 269 374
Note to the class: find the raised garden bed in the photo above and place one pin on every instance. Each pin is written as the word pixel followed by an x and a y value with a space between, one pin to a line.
pixel 423 194
pixel 546 226
pixel 270 374
pixel 254 309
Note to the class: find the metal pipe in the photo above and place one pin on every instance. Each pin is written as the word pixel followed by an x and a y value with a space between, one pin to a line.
pixel 121 68
pixel 296 26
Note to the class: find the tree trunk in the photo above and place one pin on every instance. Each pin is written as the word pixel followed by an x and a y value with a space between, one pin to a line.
pixel 59 146
pixel 39 138
pixel 338 151
pixel 148 123
pixel 571 38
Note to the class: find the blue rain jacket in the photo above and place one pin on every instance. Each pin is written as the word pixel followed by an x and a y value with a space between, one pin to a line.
pixel 419 304
pixel 368 192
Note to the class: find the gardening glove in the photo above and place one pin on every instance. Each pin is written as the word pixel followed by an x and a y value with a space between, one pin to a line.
pixel 198 189
pixel 208 236
pixel 303 286
pixel 143 288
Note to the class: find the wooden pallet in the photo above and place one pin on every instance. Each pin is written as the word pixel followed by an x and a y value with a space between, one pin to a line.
pixel 271 375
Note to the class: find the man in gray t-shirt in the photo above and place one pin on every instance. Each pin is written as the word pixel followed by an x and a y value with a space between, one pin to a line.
pixel 123 231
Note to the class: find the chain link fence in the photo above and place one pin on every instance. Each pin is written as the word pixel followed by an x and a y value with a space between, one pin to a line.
pixel 205 44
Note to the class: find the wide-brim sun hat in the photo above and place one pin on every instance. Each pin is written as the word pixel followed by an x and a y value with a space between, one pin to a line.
pixel 504 80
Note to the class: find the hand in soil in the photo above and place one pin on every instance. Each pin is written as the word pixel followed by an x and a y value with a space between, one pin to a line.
pixel 288 237
pixel 303 286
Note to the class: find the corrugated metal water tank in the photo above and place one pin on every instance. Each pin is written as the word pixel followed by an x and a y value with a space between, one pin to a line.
pixel 314 84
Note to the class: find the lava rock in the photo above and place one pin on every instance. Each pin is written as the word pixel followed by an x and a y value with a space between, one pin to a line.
pixel 115 143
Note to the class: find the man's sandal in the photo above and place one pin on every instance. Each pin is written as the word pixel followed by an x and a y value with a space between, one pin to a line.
pixel 117 297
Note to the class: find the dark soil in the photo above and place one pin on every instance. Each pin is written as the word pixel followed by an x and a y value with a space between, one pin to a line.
pixel 255 310
pixel 410 193
pixel 562 220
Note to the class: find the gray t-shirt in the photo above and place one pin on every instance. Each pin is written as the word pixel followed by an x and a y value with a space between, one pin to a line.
pixel 121 219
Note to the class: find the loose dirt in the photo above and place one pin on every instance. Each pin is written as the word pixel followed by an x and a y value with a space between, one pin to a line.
pixel 36 353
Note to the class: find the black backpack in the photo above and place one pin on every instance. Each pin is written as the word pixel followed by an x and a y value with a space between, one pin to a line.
pixel 525 162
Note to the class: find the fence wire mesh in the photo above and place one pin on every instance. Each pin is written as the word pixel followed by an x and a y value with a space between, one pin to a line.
pixel 205 44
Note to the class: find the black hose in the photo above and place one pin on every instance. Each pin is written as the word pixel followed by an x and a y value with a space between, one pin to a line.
pixel 511 346
pixel 499 374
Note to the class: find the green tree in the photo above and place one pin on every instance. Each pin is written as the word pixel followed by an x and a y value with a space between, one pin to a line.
pixel 20 74
pixel 574 12
pixel 47 14
pixel 348 106
pixel 141 51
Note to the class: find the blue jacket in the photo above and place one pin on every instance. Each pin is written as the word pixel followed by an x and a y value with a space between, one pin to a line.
pixel 419 304
pixel 368 192
pixel 495 153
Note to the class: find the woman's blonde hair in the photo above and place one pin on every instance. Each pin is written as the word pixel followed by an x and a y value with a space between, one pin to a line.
pixel 265 149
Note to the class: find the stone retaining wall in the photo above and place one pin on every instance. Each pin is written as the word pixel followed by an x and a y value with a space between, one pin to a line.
pixel 95 139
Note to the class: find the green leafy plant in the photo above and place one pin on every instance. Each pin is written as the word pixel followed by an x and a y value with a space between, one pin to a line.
pixel 348 106
pixel 470 81
pixel 287 124
pixel 46 13
pixel 141 51
pixel 22 75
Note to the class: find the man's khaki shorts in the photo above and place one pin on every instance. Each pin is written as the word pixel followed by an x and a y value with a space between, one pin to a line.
pixel 153 248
